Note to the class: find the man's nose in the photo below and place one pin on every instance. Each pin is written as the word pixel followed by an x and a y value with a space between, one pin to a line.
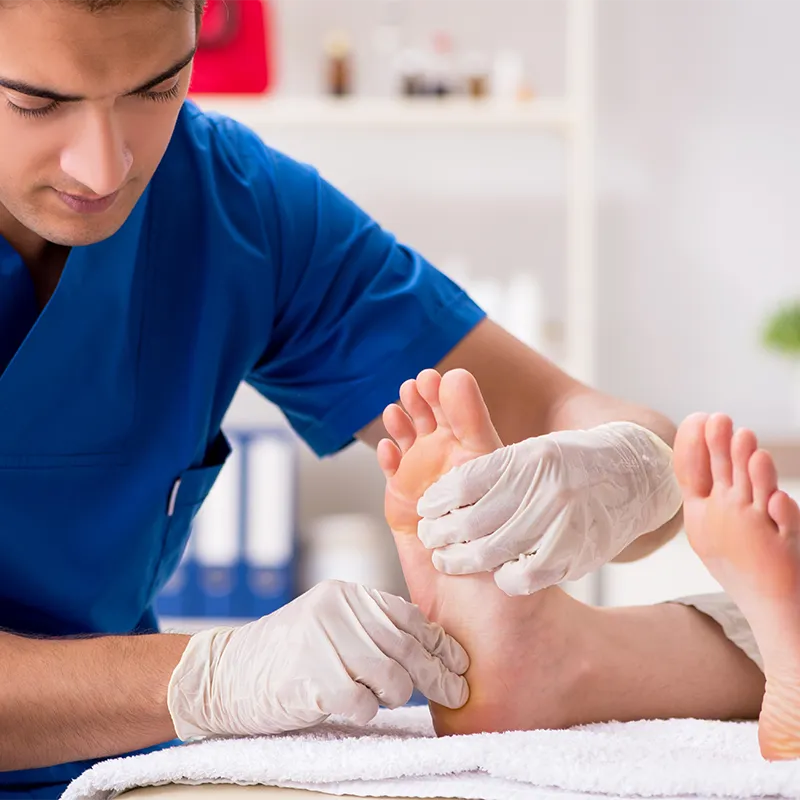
pixel 97 157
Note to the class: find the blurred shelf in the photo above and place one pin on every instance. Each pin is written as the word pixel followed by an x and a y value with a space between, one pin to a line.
pixel 261 113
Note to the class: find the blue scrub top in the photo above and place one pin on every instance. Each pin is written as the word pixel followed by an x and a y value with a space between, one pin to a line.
pixel 237 263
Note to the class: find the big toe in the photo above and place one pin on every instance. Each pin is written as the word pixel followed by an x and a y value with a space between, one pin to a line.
pixel 463 405
pixel 691 457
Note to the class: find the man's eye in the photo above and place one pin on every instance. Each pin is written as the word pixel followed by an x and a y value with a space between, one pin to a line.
pixel 162 94
pixel 41 111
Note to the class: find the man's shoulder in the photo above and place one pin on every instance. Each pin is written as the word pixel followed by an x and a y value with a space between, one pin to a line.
pixel 220 148
pixel 221 142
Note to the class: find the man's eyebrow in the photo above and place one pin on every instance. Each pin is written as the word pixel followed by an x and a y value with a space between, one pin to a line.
pixel 49 94
pixel 166 74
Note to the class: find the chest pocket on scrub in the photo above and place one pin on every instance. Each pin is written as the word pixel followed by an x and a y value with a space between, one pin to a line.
pixel 188 493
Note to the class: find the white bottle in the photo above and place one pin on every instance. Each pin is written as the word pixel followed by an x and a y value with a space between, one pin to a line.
pixel 349 547
pixel 507 75
pixel 387 42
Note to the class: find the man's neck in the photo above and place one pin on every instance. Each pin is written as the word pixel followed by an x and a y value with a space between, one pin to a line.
pixel 28 244
pixel 44 260
pixel 46 272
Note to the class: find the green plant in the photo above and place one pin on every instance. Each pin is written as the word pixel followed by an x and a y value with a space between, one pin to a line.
pixel 782 331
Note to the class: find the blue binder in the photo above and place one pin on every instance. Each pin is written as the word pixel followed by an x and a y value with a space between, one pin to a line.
pixel 269 522
pixel 241 559
pixel 217 549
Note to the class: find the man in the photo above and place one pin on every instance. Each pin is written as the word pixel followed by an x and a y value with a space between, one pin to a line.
pixel 153 257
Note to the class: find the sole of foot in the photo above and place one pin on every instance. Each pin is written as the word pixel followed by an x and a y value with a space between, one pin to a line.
pixel 514 683
pixel 747 532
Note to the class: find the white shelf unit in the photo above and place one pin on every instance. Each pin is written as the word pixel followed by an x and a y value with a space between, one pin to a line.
pixel 571 117
pixel 449 113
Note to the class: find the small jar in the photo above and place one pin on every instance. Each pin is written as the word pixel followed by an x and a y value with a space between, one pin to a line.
pixel 339 71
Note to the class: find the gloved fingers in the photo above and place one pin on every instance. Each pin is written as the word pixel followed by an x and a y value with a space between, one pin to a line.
pixel 528 574
pixel 528 528
pixel 466 524
pixel 432 678
pixel 409 618
pixel 481 555
pixel 438 684
pixel 426 671
pixel 463 485
pixel 354 701
pixel 386 679
pixel 434 660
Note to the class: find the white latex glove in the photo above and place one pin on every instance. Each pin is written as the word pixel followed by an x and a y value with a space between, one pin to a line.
pixel 340 648
pixel 551 508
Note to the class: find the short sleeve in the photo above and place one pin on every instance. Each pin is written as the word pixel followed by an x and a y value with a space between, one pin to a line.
pixel 356 313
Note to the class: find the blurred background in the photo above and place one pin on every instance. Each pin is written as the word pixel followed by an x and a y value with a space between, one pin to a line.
pixel 615 181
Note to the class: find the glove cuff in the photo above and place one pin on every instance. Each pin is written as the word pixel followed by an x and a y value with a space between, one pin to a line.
pixel 661 496
pixel 190 698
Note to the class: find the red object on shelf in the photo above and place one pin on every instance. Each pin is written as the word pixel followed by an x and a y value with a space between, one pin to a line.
pixel 233 54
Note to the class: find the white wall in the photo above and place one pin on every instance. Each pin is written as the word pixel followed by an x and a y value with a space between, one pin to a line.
pixel 698 165
pixel 698 109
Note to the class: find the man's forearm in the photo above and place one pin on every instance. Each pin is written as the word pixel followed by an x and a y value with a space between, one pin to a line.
pixel 70 699
pixel 585 408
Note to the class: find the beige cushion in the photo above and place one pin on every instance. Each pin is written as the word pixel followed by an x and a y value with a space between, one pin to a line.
pixel 220 791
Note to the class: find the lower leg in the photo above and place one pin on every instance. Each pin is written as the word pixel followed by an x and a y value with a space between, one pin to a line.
pixel 577 664
pixel 570 664
pixel 670 660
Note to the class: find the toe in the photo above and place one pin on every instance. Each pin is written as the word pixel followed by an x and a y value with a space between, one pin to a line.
pixel 400 427
pixel 719 432
pixel 764 477
pixel 784 512
pixel 692 461
pixel 466 412
pixel 743 446
pixel 389 457
pixel 428 382
pixel 417 407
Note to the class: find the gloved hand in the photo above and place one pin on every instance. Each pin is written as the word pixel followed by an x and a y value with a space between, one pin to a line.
pixel 551 508
pixel 340 648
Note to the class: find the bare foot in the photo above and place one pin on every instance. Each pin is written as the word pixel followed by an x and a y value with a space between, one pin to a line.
pixel 747 533
pixel 525 659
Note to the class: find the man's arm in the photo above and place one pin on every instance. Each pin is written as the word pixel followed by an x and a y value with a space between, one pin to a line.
pixel 527 395
pixel 71 699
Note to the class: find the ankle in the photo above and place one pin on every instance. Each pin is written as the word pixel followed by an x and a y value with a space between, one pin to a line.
pixel 580 668
pixel 565 665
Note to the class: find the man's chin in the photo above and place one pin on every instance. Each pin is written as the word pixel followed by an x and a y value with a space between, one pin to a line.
pixel 59 224
pixel 80 233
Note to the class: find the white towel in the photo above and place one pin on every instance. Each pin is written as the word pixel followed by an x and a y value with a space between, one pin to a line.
pixel 397 755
